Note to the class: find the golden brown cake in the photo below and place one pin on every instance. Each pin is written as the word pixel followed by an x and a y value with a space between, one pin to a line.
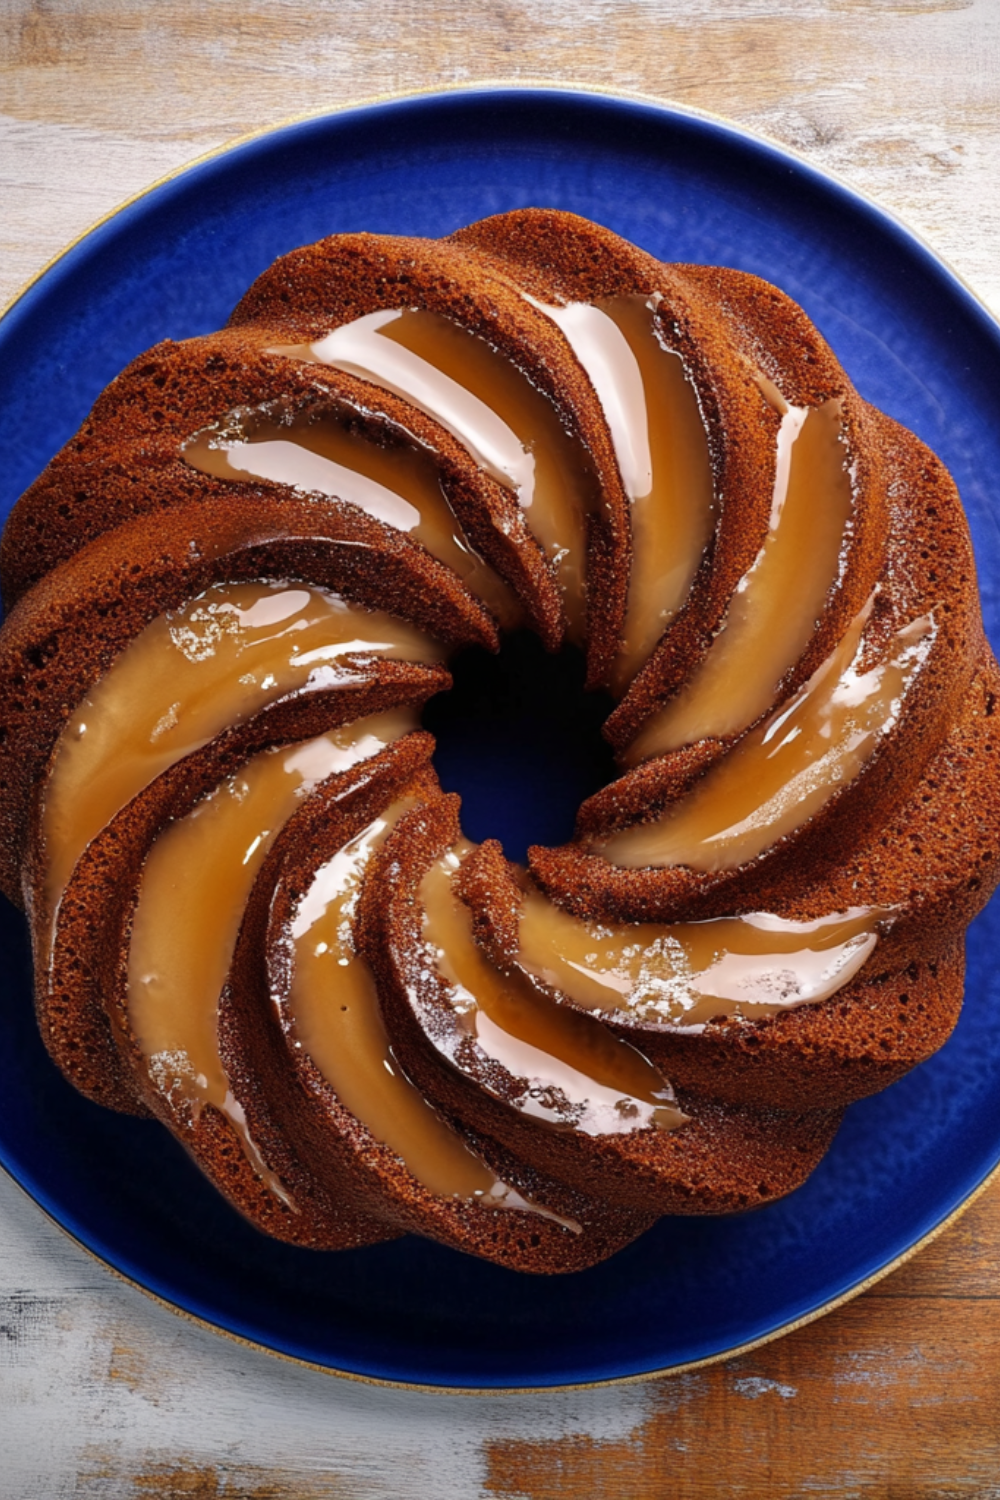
pixel 254 913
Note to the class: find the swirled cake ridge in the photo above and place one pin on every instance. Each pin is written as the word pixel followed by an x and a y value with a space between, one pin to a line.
pixel 254 912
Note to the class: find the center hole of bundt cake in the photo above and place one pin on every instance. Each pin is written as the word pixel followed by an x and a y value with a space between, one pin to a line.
pixel 520 741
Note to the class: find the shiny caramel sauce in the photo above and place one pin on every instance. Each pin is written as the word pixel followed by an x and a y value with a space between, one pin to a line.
pixel 784 771
pixel 661 445
pixel 778 603
pixel 334 1010
pixel 189 675
pixel 683 975
pixel 194 888
pixel 317 454
pixel 503 421
pixel 576 1073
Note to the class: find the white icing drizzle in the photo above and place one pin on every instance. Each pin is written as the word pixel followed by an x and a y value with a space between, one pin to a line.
pixel 358 349
pixel 614 372
pixel 286 462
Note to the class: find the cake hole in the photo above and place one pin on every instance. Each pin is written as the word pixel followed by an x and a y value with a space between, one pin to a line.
pixel 520 741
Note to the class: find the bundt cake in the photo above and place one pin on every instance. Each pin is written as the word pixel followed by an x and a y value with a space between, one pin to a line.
pixel 253 910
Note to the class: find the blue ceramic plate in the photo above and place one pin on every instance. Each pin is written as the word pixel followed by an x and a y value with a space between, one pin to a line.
pixel 915 342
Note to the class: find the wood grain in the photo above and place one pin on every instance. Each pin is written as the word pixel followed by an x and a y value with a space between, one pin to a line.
pixel 896 1394
pixel 900 96
pixel 105 1394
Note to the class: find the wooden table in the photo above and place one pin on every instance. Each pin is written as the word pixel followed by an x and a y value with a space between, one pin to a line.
pixel 103 1393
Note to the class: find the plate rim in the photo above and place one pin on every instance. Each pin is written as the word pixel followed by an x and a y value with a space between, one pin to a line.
pixel 535 84
pixel 823 176
pixel 686 1367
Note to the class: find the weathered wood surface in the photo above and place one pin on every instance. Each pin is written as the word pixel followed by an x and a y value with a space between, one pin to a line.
pixel 102 1393
pixel 99 97
pixel 107 1395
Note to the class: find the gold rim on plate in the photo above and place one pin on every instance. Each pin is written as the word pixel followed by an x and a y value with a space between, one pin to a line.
pixel 525 85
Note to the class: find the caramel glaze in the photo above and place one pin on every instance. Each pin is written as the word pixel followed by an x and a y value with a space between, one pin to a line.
pixel 712 1159
pixel 573 1073
pixel 923 502
pixel 195 884
pixel 494 411
pixel 724 327
pixel 228 381
pixel 277 1079
pixel 348 277
pixel 906 992
pixel 689 973
pixel 661 444
pixel 314 452
pixel 779 602
pixel 77 972
pixel 785 772
pixel 240 1144
pixel 334 1017
pixel 65 634
pixel 190 674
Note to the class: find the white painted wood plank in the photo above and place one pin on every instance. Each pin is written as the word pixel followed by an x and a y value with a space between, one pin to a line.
pixel 58 180
pixel 900 99
pixel 102 1387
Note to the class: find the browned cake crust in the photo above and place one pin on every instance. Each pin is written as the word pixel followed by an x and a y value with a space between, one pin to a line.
pixel 276 1080
pixel 314 1213
pixel 720 1161
pixel 932 573
pixel 121 528
pixel 127 461
pixel 68 629
pixel 306 294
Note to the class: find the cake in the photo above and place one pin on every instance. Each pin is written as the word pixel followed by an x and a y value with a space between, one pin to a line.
pixel 254 913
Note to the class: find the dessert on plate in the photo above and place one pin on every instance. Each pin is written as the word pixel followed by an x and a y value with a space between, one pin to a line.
pixel 254 912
